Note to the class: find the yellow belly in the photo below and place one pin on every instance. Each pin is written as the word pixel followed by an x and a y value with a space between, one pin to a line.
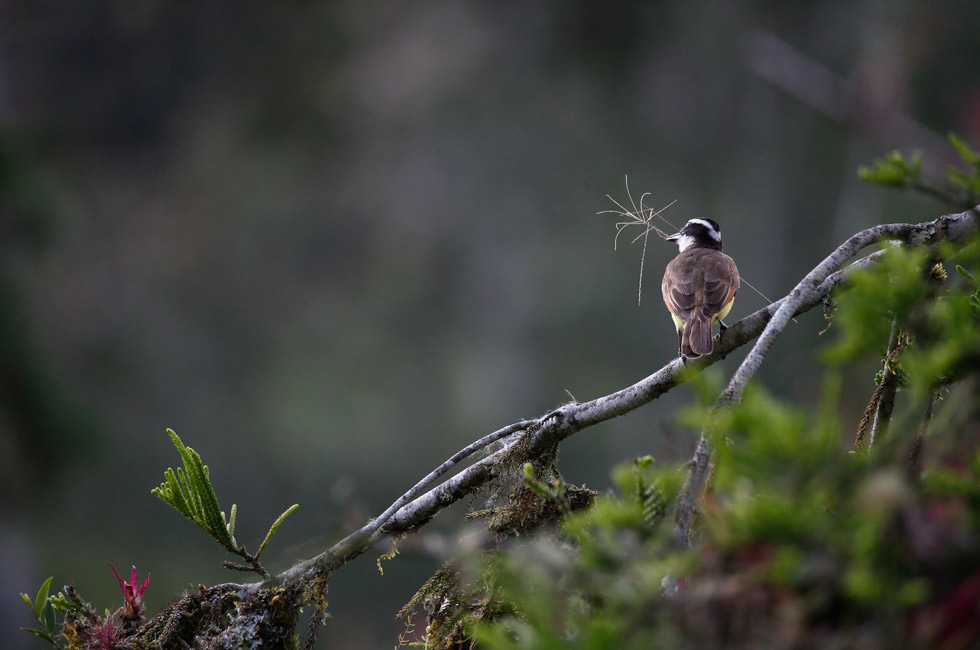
pixel 724 311
pixel 679 324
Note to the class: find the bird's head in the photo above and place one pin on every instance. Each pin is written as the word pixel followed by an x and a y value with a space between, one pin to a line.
pixel 703 233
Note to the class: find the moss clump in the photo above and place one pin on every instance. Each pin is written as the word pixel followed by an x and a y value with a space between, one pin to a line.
pixel 223 617
pixel 521 499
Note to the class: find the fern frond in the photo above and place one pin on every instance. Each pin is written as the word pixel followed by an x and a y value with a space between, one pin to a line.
pixel 189 492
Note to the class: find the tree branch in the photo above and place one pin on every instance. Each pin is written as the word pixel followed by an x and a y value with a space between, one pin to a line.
pixel 413 510
pixel 954 227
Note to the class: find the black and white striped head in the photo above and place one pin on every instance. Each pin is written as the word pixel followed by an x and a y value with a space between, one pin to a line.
pixel 703 233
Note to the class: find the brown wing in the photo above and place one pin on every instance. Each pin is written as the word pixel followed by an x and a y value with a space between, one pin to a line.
pixel 681 296
pixel 720 284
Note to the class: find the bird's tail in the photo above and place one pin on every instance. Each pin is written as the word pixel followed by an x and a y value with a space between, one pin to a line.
pixel 697 340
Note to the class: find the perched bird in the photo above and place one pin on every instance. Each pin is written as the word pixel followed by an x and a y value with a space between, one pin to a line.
pixel 699 286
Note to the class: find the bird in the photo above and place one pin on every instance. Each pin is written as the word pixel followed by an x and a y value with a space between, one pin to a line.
pixel 699 286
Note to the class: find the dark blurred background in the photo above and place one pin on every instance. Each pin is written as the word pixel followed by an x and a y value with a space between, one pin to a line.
pixel 330 244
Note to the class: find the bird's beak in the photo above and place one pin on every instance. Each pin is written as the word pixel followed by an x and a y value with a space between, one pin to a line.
pixel 673 237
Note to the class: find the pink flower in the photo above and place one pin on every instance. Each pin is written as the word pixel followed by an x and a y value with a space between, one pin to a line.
pixel 133 607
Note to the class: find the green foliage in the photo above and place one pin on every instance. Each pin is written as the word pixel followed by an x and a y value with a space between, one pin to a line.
pixel 43 610
pixel 273 528
pixel 969 156
pixel 591 583
pixel 526 500
pixel 190 493
pixel 874 297
pixel 938 313
pixel 974 298
pixel 799 538
pixel 894 170
pixel 81 628
pixel 773 463
pixel 649 486
pixel 947 330
pixel 962 183
pixel 800 544
pixel 967 180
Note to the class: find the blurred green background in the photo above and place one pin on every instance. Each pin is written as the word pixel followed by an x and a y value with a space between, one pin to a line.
pixel 330 244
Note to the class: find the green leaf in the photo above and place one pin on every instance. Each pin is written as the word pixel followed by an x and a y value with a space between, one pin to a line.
pixel 968 155
pixel 42 598
pixel 174 490
pixel 48 617
pixel 27 599
pixel 44 635
pixel 275 526
pixel 966 274
pixel 177 441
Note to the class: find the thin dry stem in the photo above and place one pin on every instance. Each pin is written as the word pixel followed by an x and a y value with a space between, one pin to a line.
pixel 641 215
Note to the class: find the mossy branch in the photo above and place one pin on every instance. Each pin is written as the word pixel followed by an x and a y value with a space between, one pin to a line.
pixel 189 492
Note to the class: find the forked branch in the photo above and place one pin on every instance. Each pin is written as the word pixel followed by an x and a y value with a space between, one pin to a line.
pixel 953 227
pixel 414 509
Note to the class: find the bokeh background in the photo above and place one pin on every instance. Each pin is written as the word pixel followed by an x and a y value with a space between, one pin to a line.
pixel 332 243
